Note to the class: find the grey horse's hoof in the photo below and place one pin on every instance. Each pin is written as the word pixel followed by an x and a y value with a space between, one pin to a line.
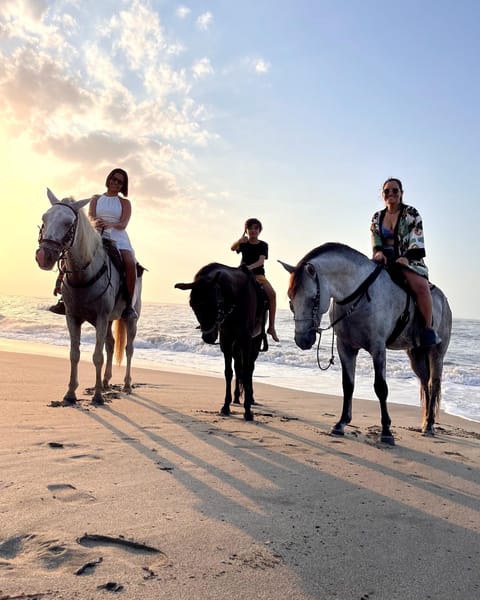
pixel 248 416
pixel 339 432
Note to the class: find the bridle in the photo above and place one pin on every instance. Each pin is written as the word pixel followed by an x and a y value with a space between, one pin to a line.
pixel 356 296
pixel 223 311
pixel 66 242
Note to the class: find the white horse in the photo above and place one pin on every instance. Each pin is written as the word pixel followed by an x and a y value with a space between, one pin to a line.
pixel 92 290
pixel 372 312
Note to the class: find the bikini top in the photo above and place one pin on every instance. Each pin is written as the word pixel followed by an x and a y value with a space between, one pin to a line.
pixel 387 234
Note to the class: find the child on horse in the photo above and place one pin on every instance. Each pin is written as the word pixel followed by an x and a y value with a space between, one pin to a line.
pixel 254 253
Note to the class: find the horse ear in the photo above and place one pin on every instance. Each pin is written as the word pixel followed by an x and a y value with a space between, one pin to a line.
pixel 287 267
pixel 51 196
pixel 80 203
pixel 184 286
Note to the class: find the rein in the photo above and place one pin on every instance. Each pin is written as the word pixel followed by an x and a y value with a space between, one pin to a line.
pixel 357 295
pixel 222 313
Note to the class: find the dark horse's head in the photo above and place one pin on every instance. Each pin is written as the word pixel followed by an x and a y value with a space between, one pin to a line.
pixel 208 300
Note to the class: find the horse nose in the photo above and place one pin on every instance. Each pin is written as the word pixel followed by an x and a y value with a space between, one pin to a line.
pixel 43 260
pixel 305 341
pixel 210 337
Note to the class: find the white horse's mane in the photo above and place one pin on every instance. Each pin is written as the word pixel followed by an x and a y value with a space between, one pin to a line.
pixel 87 238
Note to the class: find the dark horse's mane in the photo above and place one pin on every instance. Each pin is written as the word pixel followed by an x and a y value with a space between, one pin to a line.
pixel 207 269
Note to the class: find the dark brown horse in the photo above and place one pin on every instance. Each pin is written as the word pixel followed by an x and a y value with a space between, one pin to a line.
pixel 229 301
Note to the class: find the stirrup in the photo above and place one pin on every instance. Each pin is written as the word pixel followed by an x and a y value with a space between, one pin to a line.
pixel 428 337
pixel 58 308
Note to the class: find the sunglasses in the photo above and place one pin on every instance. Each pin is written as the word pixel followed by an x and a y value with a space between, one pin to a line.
pixel 116 180
pixel 394 191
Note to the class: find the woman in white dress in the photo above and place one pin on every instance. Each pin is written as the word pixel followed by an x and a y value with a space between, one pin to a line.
pixel 110 214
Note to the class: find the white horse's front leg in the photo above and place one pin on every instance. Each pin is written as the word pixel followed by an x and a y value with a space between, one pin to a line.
pixel 101 333
pixel 74 329
pixel 109 347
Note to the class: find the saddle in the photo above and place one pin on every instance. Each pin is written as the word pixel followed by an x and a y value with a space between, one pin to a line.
pixel 116 258
pixel 397 277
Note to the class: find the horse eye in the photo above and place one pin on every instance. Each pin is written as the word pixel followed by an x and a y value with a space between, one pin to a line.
pixel 311 270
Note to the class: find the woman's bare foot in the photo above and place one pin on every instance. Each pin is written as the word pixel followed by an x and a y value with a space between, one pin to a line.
pixel 271 331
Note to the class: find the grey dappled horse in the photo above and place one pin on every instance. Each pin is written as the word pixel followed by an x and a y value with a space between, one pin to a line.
pixel 372 312
pixel 92 290
pixel 228 301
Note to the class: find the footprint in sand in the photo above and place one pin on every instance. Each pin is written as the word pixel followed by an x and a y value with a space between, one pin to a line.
pixel 28 551
pixel 69 493
pixel 156 559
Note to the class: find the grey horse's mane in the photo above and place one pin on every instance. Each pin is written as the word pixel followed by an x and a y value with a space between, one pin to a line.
pixel 348 251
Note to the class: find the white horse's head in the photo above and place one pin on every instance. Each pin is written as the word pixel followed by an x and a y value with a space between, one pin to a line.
pixel 58 229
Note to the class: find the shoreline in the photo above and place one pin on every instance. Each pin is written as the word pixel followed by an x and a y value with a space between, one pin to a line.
pixel 43 349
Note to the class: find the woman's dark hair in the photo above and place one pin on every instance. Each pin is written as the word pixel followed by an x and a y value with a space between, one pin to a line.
pixel 124 188
pixel 253 221
pixel 397 181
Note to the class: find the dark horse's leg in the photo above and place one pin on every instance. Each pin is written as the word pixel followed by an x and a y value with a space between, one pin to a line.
pixel 348 359
pixel 248 363
pixel 237 365
pixel 226 347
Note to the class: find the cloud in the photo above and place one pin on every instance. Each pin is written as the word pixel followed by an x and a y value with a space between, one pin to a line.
pixel 90 91
pixel 202 68
pixel 261 66
pixel 33 9
pixel 204 21
pixel 182 12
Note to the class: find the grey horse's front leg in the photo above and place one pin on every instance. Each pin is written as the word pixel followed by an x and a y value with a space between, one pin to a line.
pixel 381 389
pixel 101 333
pixel 348 359
pixel 74 329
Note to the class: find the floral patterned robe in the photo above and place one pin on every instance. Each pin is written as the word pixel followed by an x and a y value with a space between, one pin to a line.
pixel 408 237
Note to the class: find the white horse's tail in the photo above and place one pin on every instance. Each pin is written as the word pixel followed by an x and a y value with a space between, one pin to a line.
pixel 120 336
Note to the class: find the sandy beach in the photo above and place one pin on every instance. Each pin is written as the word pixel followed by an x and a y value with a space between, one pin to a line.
pixel 155 495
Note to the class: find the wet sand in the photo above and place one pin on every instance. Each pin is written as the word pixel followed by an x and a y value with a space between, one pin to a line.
pixel 155 495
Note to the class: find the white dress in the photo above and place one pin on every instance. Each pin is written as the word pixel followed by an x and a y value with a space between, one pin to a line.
pixel 109 209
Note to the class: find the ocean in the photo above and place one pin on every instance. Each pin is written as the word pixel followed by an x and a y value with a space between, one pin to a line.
pixel 168 339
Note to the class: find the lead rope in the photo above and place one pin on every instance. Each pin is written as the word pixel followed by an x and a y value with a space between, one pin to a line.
pixel 332 358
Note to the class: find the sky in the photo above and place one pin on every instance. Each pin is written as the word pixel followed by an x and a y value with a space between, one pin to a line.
pixel 291 111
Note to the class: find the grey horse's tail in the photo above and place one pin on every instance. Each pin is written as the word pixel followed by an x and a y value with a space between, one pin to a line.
pixel 120 336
